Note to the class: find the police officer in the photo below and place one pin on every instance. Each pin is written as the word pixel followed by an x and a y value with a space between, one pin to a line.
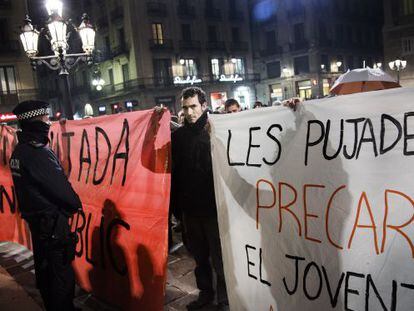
pixel 46 200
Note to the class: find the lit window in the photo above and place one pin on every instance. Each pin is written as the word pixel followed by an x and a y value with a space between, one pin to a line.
pixel 326 87
pixel 7 80
pixel 238 66
pixel 408 7
pixel 276 92
pixel 157 34
pixel 305 89
pixel 215 67
pixel 190 67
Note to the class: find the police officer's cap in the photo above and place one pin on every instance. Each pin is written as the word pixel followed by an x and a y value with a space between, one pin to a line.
pixel 31 108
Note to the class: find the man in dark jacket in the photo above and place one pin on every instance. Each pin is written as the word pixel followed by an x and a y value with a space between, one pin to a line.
pixel 193 192
pixel 46 200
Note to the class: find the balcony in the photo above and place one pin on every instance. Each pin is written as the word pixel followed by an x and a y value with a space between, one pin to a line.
pixel 11 46
pixel 215 46
pixel 186 12
pixel 161 44
pixel 213 14
pixel 119 50
pixel 156 9
pixel 239 46
pixel 112 90
pixel 102 55
pixel 298 46
pixel 236 16
pixel 271 50
pixel 190 45
pixel 117 14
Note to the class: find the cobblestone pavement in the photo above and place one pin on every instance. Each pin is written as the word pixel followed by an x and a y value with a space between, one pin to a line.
pixel 18 291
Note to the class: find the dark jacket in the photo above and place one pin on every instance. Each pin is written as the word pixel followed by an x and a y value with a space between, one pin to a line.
pixel 192 186
pixel 40 182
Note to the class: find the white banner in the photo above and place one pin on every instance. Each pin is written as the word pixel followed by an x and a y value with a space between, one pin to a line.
pixel 316 207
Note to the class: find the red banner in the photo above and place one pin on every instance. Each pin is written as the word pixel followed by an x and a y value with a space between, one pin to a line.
pixel 120 167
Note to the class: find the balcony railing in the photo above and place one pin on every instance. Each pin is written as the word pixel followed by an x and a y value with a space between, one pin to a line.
pixel 102 55
pixel 297 46
pixel 190 45
pixel 11 46
pixel 156 9
pixel 119 50
pixel 212 14
pixel 215 45
pixel 186 11
pixel 271 50
pixel 161 44
pixel 159 82
pixel 239 46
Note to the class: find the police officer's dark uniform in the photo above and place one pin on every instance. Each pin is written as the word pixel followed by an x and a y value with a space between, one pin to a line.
pixel 46 200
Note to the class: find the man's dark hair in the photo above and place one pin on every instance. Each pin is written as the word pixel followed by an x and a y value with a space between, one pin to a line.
pixel 231 102
pixel 193 91
pixel 258 104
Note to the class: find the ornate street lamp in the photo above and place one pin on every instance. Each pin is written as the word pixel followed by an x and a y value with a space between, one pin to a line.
pixel 57 32
pixel 98 83
pixel 398 65
pixel 29 38
pixel 54 7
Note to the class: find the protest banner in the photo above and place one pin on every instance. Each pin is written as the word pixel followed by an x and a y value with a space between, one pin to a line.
pixel 316 207
pixel 120 167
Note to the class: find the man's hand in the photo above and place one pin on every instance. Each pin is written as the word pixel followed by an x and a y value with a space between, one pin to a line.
pixel 292 103
pixel 160 109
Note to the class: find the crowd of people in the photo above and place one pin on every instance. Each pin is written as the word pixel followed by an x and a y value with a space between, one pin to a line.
pixel 36 169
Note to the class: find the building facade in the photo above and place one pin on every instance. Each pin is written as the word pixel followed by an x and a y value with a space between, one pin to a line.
pixel 300 47
pixel 148 51
pixel 399 37
pixel 17 80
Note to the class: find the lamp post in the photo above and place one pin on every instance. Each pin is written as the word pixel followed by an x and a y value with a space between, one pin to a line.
pixel 57 33
pixel 398 65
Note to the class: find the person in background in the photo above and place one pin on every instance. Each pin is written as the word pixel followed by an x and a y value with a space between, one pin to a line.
pixel 258 104
pixel 232 106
